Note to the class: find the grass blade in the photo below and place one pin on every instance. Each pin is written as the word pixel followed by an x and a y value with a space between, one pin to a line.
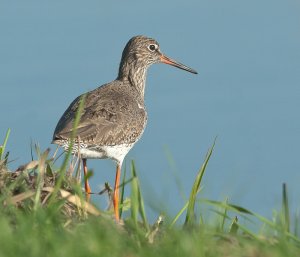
pixel 228 206
pixel 3 146
pixel 179 214
pixel 137 202
pixel 190 215
pixel 40 179
pixel 122 192
pixel 285 208
pixel 134 196
pixel 63 168
pixel 224 216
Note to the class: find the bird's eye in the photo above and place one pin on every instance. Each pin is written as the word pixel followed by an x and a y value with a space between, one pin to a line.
pixel 152 47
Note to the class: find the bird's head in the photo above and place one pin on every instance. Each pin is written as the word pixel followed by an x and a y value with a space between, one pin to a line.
pixel 144 51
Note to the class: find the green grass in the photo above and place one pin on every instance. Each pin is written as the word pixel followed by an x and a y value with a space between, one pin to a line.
pixel 43 213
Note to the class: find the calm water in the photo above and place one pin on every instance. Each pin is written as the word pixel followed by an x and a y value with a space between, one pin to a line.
pixel 246 93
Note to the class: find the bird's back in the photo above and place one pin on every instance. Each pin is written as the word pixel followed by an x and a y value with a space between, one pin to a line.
pixel 113 114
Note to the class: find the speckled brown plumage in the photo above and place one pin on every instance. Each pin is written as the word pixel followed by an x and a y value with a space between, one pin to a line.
pixel 111 116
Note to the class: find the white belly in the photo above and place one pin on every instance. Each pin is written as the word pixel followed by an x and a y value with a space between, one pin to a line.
pixel 116 152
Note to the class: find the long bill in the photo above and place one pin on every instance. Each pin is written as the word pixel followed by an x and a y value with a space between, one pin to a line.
pixel 167 60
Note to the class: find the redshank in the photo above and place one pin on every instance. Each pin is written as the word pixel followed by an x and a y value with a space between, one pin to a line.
pixel 114 115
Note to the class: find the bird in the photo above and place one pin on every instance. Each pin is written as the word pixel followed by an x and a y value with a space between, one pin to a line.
pixel 114 115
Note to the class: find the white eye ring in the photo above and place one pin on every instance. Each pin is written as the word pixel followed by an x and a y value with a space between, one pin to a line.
pixel 153 47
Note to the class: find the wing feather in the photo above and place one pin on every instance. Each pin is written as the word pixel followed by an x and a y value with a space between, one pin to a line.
pixel 110 116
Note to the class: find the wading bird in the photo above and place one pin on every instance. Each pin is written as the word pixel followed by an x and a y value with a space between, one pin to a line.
pixel 114 115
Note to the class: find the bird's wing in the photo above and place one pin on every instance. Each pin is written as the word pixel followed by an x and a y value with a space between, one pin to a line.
pixel 108 118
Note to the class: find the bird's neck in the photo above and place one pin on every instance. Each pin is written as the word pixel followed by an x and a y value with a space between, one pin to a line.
pixel 135 74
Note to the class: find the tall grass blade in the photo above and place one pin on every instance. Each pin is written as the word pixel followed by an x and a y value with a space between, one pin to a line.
pixel 122 193
pixel 3 146
pixel 40 179
pixel 190 215
pixel 137 202
pixel 63 168
pixel 31 150
pixel 224 216
pixel 285 208
pixel 179 214
pixel 134 196
pixel 228 206
pixel 296 226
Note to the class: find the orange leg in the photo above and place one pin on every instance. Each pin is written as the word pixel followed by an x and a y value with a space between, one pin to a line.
pixel 86 182
pixel 116 192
